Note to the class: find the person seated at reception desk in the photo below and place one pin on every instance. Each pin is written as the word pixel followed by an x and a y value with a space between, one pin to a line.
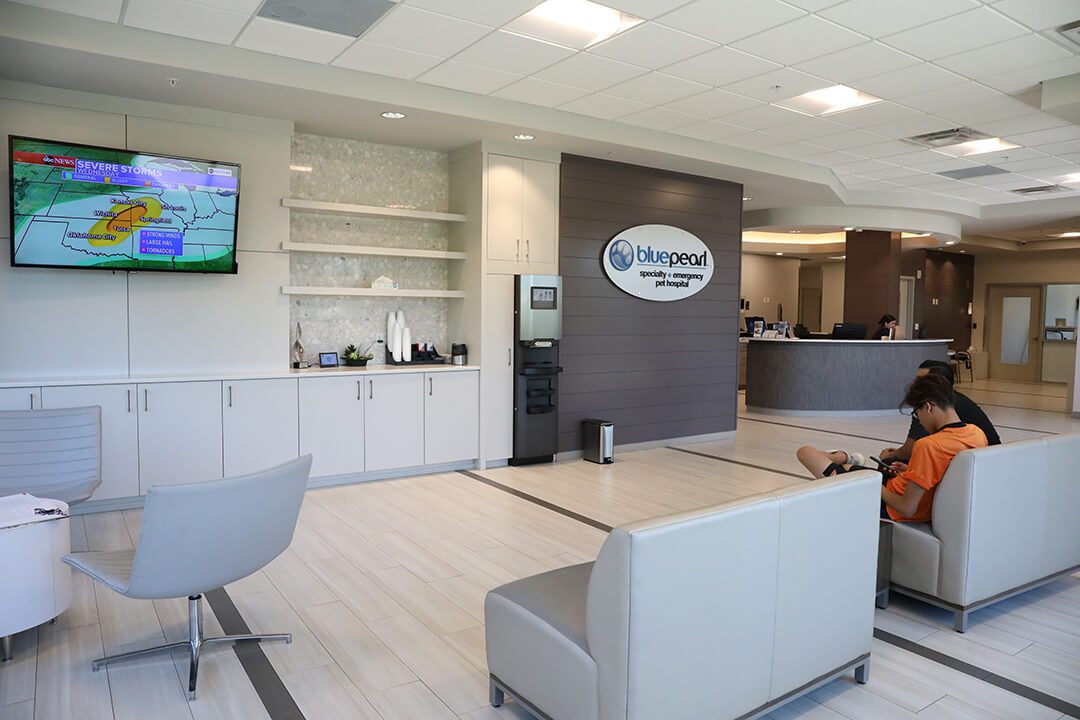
pixel 968 410
pixel 886 327
pixel 907 492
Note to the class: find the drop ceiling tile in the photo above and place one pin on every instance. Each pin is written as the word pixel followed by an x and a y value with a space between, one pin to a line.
pixel 603 106
pixel 850 138
pixel 809 128
pixel 788 44
pixel 1041 162
pixel 908 127
pixel 470 78
pixel 540 92
pixel 887 150
pixel 653 46
pixel 237 6
pixel 1047 137
pixel 513 53
pixel 856 63
pixel 1022 124
pixel 1040 14
pixel 426 32
pixel 1006 56
pixel 1001 109
pixel 1015 155
pixel 762 117
pixel 174 17
pixel 295 41
pixel 878 18
pixel 647 9
pixel 897 174
pixel 953 96
pixel 712 103
pixel 922 181
pixel 863 167
pixel 959 33
pixel 1057 172
pixel 106 10
pixel 814 5
pixel 879 113
pixel 721 67
pixel 384 60
pixel 778 85
pixel 656 89
pixel 710 130
pixel 493 13
pixel 794 150
pixel 753 140
pixel 590 72
pixel 1064 147
pixel 833 158
pixel 990 181
pixel 908 81
pixel 943 163
pixel 1019 81
pixel 659 119
pixel 725 21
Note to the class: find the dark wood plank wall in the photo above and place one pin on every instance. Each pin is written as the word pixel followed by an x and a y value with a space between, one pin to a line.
pixel 657 369
pixel 871 277
pixel 950 279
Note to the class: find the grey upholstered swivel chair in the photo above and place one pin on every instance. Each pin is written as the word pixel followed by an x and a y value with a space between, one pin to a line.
pixel 51 453
pixel 198 537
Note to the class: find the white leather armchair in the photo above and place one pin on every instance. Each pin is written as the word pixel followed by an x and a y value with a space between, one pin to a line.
pixel 1004 521
pixel 51 453
pixel 723 612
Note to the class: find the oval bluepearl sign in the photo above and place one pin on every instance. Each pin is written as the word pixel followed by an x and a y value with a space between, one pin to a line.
pixel 658 262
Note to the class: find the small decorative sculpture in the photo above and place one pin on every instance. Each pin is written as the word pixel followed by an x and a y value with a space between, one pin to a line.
pixel 384 283
pixel 298 348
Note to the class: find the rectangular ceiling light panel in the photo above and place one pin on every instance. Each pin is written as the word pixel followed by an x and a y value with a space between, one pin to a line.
pixel 573 23
pixel 353 18
pixel 828 101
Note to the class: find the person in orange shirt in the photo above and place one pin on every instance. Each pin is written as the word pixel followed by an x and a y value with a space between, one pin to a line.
pixel 908 494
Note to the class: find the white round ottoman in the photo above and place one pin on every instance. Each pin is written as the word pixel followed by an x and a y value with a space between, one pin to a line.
pixel 37 585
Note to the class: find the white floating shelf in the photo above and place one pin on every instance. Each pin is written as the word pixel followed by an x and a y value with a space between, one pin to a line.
pixel 370 250
pixel 371 292
pixel 319 206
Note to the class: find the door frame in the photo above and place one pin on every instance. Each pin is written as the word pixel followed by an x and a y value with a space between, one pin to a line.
pixel 991 313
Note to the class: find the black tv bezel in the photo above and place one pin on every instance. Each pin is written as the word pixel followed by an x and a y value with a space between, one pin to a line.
pixel 11 208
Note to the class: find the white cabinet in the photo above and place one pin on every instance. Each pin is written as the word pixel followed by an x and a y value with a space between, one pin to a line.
pixel 259 424
pixel 497 361
pixel 522 215
pixel 332 424
pixel 393 421
pixel 451 417
pixel 119 432
pixel 179 432
pixel 28 398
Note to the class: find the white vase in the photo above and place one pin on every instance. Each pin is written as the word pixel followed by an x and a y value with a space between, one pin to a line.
pixel 390 320
pixel 400 318
pixel 398 331
pixel 406 345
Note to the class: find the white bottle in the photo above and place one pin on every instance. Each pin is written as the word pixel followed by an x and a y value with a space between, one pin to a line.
pixel 406 345
pixel 398 332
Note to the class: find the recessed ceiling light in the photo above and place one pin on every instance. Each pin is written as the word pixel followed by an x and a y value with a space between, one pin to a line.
pixel 573 23
pixel 524 136
pixel 1074 177
pixel 300 168
pixel 1070 234
pixel 963 251
pixel 848 229
pixel 828 101
pixel 977 147
pixel 779 253
pixel 950 242
pixel 747 198
pixel 393 115
pixel 838 257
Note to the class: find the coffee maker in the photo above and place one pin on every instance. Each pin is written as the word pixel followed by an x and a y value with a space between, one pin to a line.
pixel 537 330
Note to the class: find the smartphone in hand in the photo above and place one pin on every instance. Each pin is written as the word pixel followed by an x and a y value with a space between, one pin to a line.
pixel 886 470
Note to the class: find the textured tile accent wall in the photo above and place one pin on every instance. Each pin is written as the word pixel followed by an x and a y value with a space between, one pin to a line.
pixel 351 171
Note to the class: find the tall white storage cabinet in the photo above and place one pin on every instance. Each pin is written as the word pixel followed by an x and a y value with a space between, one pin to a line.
pixel 332 424
pixel 393 421
pixel 28 398
pixel 119 432
pixel 522 215
pixel 179 432
pixel 259 424
pixel 451 417
pixel 497 359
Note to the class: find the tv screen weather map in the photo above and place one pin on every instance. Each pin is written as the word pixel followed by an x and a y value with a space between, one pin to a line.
pixel 91 207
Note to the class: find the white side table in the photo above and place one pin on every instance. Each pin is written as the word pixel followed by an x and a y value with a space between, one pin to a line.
pixel 37 585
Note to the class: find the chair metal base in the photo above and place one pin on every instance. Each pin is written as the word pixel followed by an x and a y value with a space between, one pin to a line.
pixel 5 648
pixel 194 644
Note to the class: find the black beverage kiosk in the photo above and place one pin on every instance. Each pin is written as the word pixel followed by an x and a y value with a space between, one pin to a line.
pixel 537 329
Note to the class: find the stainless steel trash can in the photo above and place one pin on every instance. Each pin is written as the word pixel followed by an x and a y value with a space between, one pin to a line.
pixel 599 445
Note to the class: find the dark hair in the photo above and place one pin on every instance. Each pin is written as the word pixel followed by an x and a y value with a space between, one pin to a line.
pixel 886 318
pixel 939 367
pixel 932 388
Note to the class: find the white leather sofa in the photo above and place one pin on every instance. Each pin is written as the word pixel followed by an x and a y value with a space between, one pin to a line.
pixel 723 612
pixel 1004 521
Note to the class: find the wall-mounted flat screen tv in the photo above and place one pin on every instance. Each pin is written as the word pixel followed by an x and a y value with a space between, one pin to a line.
pixel 89 207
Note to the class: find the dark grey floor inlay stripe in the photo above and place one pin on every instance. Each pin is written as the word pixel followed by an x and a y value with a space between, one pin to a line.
pixel 538 501
pixel 1020 407
pixel 974 671
pixel 740 462
pixel 271 690
pixel 818 429
pixel 1032 430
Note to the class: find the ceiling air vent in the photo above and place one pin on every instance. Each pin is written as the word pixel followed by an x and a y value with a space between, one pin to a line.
pixel 945 138
pixel 973 172
pixel 1071 32
pixel 344 18
pixel 1038 190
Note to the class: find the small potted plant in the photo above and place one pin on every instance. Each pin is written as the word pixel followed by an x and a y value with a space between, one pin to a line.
pixel 353 358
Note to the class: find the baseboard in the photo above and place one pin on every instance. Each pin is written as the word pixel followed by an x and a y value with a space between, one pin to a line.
pixel 650 444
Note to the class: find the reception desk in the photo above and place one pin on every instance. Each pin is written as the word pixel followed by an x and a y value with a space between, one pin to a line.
pixel 839 377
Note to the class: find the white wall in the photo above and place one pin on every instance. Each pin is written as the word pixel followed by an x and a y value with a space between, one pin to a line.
pixel 92 323
pixel 768 282
pixel 832 295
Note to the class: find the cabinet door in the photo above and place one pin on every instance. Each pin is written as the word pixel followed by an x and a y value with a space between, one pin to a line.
pixel 394 421
pixel 27 398
pixel 451 416
pixel 179 433
pixel 497 367
pixel 259 420
pixel 332 424
pixel 504 188
pixel 539 219
pixel 119 432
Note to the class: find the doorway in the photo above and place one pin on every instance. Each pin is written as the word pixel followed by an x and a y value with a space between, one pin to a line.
pixel 907 307
pixel 1015 312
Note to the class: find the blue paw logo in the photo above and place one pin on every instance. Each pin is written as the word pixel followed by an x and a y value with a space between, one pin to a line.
pixel 621 255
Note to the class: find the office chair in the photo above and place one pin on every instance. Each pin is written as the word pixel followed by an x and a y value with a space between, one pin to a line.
pixel 198 537
pixel 51 453
pixel 961 356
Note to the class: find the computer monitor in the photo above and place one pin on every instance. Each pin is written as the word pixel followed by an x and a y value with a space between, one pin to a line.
pixel 849 331
pixel 750 320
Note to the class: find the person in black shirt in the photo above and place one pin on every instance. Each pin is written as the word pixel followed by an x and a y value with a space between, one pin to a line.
pixel 966 408
pixel 887 324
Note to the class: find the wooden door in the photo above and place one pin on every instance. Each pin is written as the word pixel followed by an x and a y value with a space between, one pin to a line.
pixel 1014 314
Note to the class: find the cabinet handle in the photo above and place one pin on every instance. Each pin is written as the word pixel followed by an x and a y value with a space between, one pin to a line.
pixel 526 250
pixel 509 360
pixel 429 389
pixel 146 400
pixel 129 400
pixel 518 247
pixel 230 396
pixel 31 400
pixel 358 391
pixel 371 389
